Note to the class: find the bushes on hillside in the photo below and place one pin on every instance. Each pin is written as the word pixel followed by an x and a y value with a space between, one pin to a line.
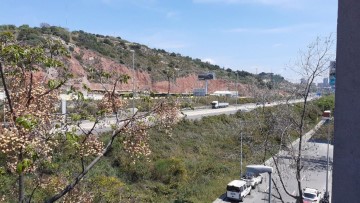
pixel 90 41
pixel 326 103
pixel 107 189
pixel 29 35
pixel 170 170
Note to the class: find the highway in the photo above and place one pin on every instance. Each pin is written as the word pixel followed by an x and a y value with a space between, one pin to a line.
pixel 199 113
pixel 313 174
pixel 105 125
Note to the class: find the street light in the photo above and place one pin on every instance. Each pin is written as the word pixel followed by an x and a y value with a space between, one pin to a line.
pixel 241 146
pixel 327 116
pixel 261 169
pixel 241 152
pixel 236 89
pixel 133 81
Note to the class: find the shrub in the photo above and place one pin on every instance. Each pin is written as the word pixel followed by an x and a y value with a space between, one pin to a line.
pixel 170 171
pixel 107 189
pixel 61 32
pixel 107 41
pixel 326 103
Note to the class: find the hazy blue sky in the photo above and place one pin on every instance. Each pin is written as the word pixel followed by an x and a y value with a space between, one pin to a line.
pixel 262 35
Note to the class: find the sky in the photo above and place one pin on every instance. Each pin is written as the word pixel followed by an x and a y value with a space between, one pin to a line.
pixel 251 35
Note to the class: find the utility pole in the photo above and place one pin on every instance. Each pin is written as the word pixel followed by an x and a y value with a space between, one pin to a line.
pixel 206 86
pixel 236 89
pixel 327 118
pixel 326 195
pixel 241 152
pixel 133 81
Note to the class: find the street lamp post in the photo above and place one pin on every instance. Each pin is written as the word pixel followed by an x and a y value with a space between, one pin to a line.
pixel 327 117
pixel 262 169
pixel 133 81
pixel 326 195
pixel 236 89
pixel 241 152
pixel 241 147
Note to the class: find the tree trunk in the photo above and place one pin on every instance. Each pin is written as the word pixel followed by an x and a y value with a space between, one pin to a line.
pixel 21 188
pixel 21 181
pixel 168 86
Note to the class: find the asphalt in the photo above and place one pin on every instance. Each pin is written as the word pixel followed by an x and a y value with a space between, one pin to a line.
pixel 105 124
pixel 313 174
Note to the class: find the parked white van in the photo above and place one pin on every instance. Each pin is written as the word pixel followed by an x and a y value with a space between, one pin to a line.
pixel 237 190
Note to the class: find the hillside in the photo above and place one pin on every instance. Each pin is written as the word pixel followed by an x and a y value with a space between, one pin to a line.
pixel 154 69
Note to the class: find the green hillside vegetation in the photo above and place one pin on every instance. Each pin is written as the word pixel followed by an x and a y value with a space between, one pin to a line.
pixel 192 163
pixel 152 60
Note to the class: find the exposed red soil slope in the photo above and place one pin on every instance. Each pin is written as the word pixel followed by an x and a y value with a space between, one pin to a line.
pixel 142 79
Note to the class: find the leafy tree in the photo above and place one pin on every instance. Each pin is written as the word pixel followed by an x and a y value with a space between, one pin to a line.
pixel 107 41
pixel 7 27
pixel 170 74
pixel 29 35
pixel 31 142
pixel 29 104
pixel 60 32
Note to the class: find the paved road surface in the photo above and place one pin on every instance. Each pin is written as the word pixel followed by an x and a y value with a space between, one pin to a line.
pixel 104 125
pixel 313 175
pixel 198 114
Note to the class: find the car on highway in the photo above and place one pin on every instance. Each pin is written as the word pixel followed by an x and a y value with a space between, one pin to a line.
pixel 311 195
pixel 237 190
pixel 252 179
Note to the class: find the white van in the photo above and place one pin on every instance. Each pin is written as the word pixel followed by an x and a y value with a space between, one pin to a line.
pixel 237 190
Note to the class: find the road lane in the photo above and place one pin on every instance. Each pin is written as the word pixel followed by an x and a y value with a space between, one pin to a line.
pixel 313 174
pixel 199 113
pixel 105 124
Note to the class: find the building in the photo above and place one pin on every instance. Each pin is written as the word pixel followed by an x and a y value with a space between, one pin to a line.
pixel 332 74
pixel 226 93
pixel 346 176
pixel 325 82
pixel 199 92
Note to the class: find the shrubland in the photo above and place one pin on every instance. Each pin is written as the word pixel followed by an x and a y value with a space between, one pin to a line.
pixel 191 163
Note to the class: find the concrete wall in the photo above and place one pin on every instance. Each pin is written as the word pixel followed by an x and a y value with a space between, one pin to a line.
pixel 346 174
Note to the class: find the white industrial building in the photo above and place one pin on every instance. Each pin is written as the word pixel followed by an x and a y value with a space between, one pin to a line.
pixel 226 93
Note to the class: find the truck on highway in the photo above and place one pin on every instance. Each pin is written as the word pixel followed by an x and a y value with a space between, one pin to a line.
pixel 217 104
